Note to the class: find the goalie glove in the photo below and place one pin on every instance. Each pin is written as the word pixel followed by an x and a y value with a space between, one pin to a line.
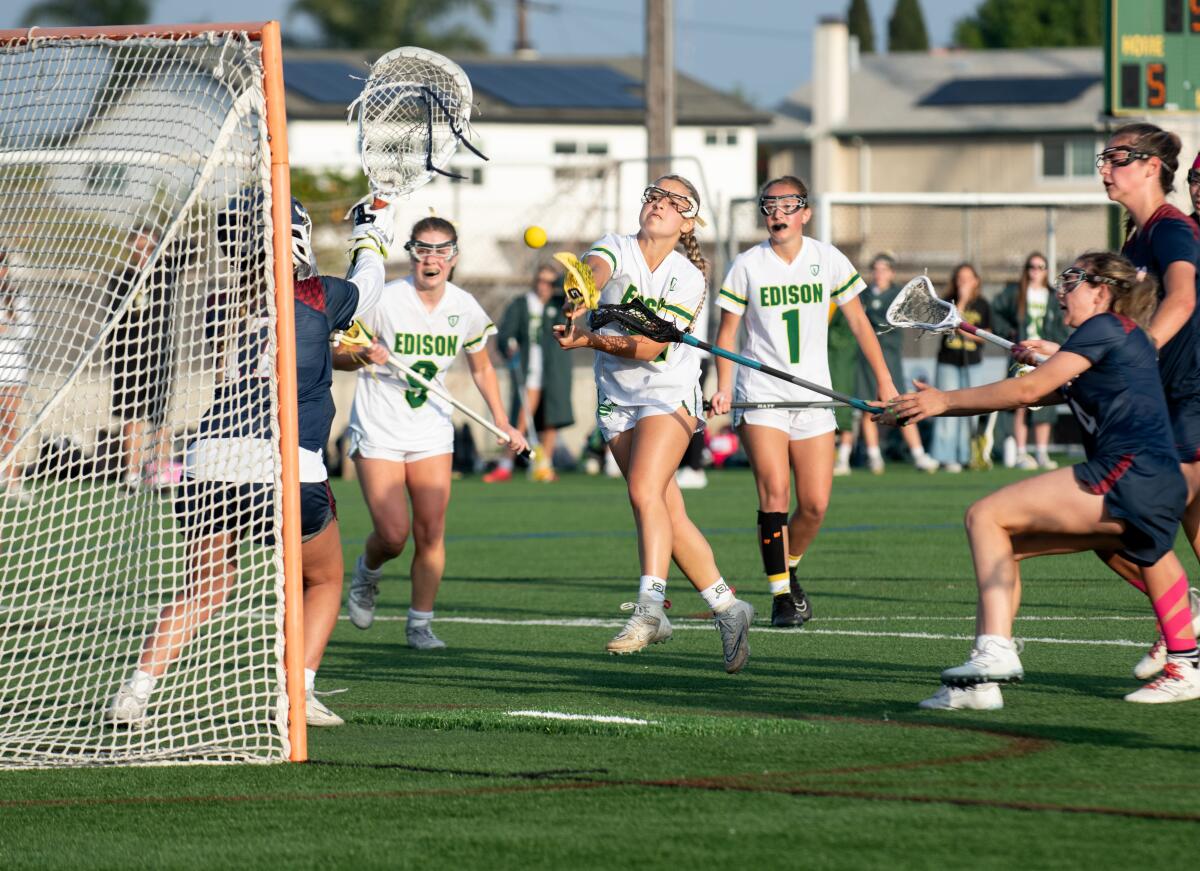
pixel 372 227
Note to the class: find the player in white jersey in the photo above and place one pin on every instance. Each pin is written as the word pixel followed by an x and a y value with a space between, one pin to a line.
pixel 401 436
pixel 649 406
pixel 783 288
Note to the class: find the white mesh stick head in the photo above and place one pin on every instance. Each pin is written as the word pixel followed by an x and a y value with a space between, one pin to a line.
pixel 412 113
pixel 917 305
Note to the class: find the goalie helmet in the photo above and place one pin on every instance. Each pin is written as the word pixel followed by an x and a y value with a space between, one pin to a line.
pixel 304 260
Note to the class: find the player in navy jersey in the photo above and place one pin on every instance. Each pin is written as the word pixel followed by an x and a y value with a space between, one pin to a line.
pixel 1126 498
pixel 1138 167
pixel 229 472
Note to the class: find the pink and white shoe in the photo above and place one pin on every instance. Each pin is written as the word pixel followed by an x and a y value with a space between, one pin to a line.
pixel 1179 682
pixel 1156 657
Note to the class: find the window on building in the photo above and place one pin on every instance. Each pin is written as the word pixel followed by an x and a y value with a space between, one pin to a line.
pixel 1068 158
pixel 721 136
pixel 566 147
pixel 597 148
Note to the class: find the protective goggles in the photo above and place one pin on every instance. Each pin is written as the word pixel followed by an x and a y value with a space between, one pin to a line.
pixel 1120 156
pixel 787 204
pixel 685 205
pixel 1194 176
pixel 1071 278
pixel 439 250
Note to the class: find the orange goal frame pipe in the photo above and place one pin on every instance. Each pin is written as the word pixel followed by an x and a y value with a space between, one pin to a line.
pixel 268 35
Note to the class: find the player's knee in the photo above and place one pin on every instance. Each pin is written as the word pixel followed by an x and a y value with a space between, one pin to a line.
pixel 979 515
pixel 811 512
pixel 776 495
pixel 392 538
pixel 429 534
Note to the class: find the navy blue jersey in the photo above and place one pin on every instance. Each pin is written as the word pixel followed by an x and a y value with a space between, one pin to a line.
pixel 241 406
pixel 1170 236
pixel 1122 411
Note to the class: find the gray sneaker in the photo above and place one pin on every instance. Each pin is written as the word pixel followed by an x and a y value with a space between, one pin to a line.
pixel 364 587
pixel 734 625
pixel 421 637
pixel 127 708
pixel 648 625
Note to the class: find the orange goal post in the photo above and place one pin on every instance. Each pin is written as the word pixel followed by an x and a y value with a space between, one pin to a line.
pixel 145 284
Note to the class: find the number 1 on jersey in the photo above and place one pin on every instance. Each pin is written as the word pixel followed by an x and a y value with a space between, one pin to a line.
pixel 791 318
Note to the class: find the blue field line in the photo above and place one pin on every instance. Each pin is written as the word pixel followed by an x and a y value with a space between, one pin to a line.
pixel 731 530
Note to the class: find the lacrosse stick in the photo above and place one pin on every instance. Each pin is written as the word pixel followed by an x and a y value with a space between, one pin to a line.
pixel 767 406
pixel 578 283
pixel 359 336
pixel 412 115
pixel 918 307
pixel 636 317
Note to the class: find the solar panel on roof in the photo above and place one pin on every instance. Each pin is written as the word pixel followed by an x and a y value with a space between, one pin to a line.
pixel 325 81
pixel 1012 91
pixel 551 86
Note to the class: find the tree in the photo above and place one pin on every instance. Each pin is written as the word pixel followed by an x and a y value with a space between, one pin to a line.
pixel 385 24
pixel 906 28
pixel 1030 24
pixel 858 18
pixel 86 13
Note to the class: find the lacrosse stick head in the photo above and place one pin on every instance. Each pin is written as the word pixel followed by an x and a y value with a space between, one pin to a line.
pixel 412 114
pixel 636 317
pixel 917 306
pixel 578 283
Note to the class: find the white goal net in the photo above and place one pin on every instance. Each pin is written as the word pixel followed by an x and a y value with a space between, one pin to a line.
pixel 136 307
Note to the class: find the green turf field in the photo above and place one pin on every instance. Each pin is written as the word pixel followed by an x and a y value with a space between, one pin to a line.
pixel 814 757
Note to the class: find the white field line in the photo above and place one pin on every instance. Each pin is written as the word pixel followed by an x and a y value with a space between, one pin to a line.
pixel 686 625
pixel 591 718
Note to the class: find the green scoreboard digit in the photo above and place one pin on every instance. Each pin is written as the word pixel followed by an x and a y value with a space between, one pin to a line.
pixel 1153 60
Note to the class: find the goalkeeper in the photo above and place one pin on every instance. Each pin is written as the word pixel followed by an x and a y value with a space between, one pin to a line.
pixel 229 470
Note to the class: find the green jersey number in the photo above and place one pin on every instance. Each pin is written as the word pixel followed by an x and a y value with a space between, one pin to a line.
pixel 791 318
pixel 418 396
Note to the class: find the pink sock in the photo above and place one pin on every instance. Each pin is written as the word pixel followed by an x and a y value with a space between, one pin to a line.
pixel 1177 628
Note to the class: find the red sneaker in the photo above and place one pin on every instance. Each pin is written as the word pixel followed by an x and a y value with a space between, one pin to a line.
pixel 498 475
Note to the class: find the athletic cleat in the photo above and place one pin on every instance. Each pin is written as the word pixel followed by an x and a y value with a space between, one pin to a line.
pixel 360 603
pixel 875 465
pixel 127 708
pixel 1179 682
pixel 841 469
pixel 498 475
pixel 421 637
pixel 544 475
pixel 734 625
pixel 1156 657
pixel 993 662
pixel 926 463
pixel 784 613
pixel 803 605
pixel 316 714
pixel 648 625
pixel 981 697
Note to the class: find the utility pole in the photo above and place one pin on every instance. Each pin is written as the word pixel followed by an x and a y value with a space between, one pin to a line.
pixel 660 85
pixel 522 47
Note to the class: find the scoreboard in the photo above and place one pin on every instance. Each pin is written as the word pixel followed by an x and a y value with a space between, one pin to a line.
pixel 1152 62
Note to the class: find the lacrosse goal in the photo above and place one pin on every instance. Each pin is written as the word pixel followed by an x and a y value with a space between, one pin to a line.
pixel 121 152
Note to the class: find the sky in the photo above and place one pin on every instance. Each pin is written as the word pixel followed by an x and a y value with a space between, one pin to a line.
pixel 760 48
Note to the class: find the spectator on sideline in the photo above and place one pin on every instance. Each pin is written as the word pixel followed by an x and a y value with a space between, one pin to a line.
pixel 959 365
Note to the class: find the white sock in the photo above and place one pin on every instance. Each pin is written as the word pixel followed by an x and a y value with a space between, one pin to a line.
pixel 843 455
pixel 419 618
pixel 794 561
pixel 874 453
pixel 310 679
pixel 371 574
pixel 652 589
pixel 998 639
pixel 918 452
pixel 142 683
pixel 718 596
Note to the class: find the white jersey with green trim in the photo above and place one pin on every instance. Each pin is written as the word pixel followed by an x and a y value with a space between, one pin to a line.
pixel 786 312
pixel 675 292
pixel 388 410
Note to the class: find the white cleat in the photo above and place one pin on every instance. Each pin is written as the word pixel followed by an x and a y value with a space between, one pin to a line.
pixel 840 469
pixel 981 697
pixel 926 463
pixel 1179 682
pixel 127 708
pixel 364 587
pixel 1156 657
pixel 734 625
pixel 421 637
pixel 316 714
pixel 648 625
pixel 995 661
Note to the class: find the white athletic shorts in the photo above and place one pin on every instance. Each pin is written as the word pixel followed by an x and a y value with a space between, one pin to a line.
pixel 616 419
pixel 362 447
pixel 798 423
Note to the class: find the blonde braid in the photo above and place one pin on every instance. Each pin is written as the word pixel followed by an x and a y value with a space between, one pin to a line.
pixel 692 248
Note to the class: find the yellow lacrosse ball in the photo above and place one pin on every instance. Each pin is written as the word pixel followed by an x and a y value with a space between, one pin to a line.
pixel 535 236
